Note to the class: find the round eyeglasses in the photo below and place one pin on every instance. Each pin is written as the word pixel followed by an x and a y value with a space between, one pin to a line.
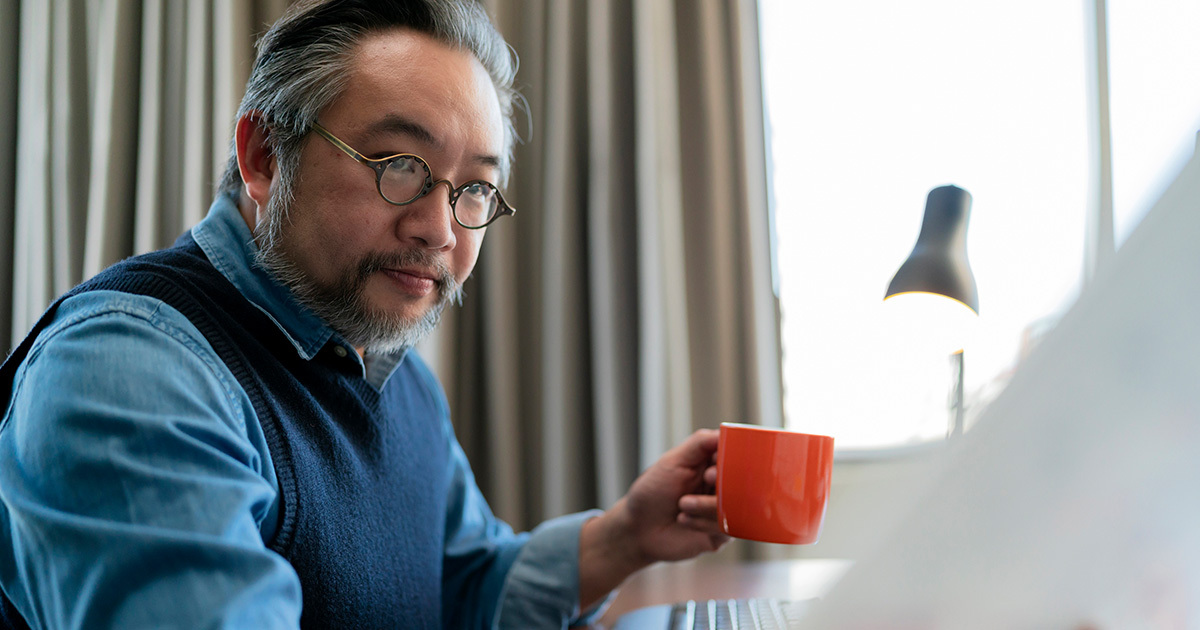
pixel 404 178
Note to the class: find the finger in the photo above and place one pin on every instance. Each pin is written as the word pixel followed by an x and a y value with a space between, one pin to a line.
pixel 710 475
pixel 699 505
pixel 697 449
pixel 703 525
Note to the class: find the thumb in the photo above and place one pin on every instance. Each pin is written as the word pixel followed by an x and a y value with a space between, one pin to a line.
pixel 697 449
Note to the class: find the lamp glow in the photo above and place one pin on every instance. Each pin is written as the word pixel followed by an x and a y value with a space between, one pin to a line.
pixel 932 322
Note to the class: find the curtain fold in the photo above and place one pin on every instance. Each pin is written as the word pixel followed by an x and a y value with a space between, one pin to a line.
pixel 113 166
pixel 119 123
pixel 33 270
pixel 9 49
pixel 612 255
pixel 665 403
pixel 155 92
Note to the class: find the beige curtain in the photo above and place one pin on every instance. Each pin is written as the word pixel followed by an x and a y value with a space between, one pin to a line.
pixel 628 303
pixel 631 300
pixel 118 118
pixel 9 27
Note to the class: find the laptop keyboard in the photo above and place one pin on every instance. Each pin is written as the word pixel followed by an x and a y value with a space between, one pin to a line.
pixel 737 614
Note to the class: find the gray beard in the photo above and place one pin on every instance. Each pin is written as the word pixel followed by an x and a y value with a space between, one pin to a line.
pixel 341 303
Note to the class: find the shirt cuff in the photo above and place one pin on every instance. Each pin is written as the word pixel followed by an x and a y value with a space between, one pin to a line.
pixel 542 587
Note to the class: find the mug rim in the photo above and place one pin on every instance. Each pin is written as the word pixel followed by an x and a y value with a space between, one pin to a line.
pixel 759 427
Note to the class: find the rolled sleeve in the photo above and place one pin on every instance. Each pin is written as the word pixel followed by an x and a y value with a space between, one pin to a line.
pixel 494 578
pixel 479 551
pixel 542 589
pixel 130 494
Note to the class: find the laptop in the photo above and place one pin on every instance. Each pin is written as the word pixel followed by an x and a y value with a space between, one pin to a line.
pixel 802 581
pixel 1074 502
pixel 728 614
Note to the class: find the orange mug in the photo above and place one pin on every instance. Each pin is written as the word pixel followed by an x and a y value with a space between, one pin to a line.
pixel 772 485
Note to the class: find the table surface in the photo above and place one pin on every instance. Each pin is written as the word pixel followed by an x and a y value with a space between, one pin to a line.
pixel 669 583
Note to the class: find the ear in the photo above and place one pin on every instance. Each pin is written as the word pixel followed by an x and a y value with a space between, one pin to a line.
pixel 256 162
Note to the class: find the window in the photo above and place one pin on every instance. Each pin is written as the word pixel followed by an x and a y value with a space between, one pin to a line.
pixel 1154 60
pixel 871 104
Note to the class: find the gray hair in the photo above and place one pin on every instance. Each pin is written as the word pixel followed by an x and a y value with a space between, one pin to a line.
pixel 303 64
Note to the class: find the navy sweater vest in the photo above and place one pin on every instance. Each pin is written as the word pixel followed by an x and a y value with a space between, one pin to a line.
pixel 362 474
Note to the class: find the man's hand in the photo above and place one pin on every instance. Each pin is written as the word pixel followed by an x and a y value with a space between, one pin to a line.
pixel 669 513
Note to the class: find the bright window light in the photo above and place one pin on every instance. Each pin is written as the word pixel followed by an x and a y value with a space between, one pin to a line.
pixel 871 104
pixel 1154 66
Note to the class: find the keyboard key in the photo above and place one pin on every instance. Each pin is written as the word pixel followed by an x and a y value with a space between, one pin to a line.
pixel 737 614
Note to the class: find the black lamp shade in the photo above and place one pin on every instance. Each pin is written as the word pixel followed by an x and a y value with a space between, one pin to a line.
pixel 938 263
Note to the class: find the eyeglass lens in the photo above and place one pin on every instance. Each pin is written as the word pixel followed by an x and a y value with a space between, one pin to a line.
pixel 403 181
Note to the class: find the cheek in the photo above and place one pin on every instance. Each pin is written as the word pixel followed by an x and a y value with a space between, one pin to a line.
pixel 466 252
pixel 333 207
pixel 324 241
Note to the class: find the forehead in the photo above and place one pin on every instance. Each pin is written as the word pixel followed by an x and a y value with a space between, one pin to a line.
pixel 410 75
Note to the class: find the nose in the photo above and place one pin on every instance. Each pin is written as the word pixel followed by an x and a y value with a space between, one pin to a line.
pixel 428 220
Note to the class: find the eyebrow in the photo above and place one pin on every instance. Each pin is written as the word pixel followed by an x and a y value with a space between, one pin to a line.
pixel 397 124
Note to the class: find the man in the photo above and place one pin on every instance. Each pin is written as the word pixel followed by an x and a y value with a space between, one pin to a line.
pixel 232 433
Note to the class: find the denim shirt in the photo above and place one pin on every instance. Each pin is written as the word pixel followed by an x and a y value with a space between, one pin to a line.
pixel 125 381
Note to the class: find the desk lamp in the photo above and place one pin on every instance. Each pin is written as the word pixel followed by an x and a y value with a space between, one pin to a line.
pixel 934 290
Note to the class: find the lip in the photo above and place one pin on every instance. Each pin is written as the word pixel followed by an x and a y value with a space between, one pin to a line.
pixel 414 281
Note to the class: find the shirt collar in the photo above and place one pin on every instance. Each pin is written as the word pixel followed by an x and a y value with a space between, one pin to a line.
pixel 229 245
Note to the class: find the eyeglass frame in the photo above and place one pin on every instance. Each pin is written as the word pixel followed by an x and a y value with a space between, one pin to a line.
pixel 379 165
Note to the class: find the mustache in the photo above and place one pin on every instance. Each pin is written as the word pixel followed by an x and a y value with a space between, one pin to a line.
pixel 426 261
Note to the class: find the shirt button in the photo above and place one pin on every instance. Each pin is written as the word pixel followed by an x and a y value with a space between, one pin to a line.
pixel 340 351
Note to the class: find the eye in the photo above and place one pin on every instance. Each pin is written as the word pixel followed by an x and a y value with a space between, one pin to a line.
pixel 478 191
pixel 403 165
pixel 402 181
